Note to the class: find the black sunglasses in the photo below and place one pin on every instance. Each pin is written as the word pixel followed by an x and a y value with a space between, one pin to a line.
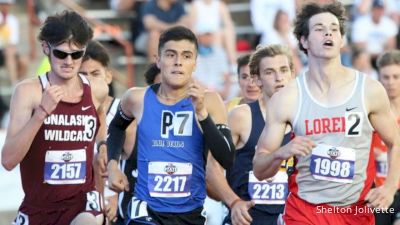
pixel 62 55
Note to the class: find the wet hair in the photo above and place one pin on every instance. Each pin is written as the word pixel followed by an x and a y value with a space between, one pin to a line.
pixel 67 26
pixel 177 33
pixel 151 73
pixel 97 52
pixel 301 26
pixel 269 51
pixel 388 58
pixel 242 61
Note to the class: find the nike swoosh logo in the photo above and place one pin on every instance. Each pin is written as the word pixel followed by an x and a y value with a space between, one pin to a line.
pixel 349 109
pixel 184 106
pixel 84 108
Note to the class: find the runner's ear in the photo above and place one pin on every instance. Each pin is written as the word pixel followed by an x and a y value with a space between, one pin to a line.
pixel 46 49
pixel 304 42
pixel 109 76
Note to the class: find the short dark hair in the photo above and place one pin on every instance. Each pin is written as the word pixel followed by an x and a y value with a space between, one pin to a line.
pixel 150 74
pixel 67 26
pixel 388 58
pixel 97 52
pixel 242 61
pixel 301 26
pixel 269 51
pixel 177 33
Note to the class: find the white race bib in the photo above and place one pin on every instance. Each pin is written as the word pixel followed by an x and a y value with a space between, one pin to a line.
pixel 169 179
pixel 65 167
pixel 269 191
pixel 333 163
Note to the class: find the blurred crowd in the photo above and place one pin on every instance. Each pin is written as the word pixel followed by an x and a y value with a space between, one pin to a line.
pixel 372 28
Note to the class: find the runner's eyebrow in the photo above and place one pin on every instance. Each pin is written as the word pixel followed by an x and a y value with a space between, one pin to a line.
pixel 320 24
pixel 176 52
pixel 170 51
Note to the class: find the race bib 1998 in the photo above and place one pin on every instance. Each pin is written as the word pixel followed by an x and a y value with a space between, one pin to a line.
pixel 333 163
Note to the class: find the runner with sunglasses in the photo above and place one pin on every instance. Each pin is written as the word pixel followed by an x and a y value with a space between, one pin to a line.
pixel 54 122
pixel 60 54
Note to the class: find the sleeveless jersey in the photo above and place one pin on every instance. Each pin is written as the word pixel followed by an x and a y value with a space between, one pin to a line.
pixel 112 110
pixel 342 161
pixel 57 170
pixel 381 160
pixel 171 159
pixel 238 175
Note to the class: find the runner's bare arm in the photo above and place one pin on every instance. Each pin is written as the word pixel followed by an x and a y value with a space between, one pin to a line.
pixel 384 122
pixel 269 155
pixel 239 120
pixel 212 116
pixel 130 132
pixel 101 140
pixel 26 117
pixel 130 109
pixel 218 187
pixel 216 132
pixel 267 160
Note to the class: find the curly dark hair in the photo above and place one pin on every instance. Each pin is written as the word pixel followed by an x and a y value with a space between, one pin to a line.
pixel 67 26
pixel 301 26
